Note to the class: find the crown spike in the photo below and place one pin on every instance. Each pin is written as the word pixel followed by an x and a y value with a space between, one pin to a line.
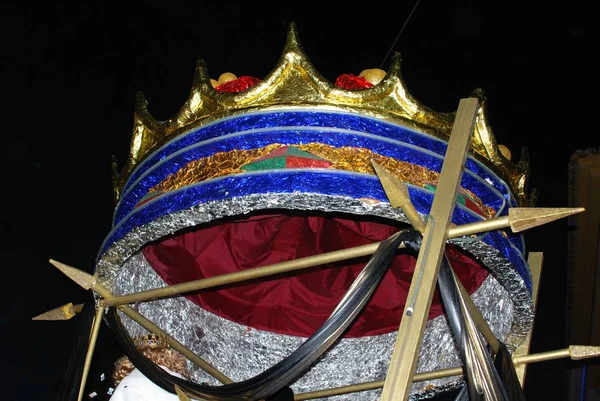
pixel 115 176
pixel 484 143
pixel 292 42
pixel 146 133
pixel 479 93
pixel 411 108
pixel 141 103
pixel 295 81
pixel 523 179
pixel 524 159
pixel 201 78
pixel 201 100
pixel 394 69
pixel 142 115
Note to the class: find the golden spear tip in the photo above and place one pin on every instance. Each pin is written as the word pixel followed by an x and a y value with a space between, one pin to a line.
pixel 64 312
pixel 396 190
pixel 398 196
pixel 523 218
pixel 82 278
pixel 584 351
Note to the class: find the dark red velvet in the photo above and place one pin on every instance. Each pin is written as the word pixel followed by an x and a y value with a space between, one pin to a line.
pixel 295 304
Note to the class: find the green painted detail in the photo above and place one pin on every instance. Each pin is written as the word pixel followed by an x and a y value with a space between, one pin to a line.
pixel 265 164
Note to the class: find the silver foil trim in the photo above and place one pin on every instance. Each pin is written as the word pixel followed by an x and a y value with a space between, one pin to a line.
pixel 110 262
pixel 242 352
pixel 503 299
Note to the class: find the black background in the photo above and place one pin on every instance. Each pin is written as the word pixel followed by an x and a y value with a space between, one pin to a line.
pixel 69 77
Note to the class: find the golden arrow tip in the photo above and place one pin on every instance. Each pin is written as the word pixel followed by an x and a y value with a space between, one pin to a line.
pixel 82 278
pixel 523 218
pixel 398 196
pixel 64 312
pixel 584 351
pixel 395 190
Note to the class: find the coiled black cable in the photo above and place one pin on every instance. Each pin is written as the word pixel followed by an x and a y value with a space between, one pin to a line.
pixel 286 371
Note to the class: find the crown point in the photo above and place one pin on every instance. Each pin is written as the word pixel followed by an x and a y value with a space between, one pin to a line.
pixel 140 101
pixel 524 155
pixel 201 78
pixel 479 93
pixel 200 63
pixel 394 69
pixel 201 68
pixel 292 42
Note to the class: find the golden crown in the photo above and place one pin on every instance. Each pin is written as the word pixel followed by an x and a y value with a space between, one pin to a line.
pixel 295 82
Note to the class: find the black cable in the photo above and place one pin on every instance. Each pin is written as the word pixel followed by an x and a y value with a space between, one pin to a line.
pixel 282 374
pixel 504 365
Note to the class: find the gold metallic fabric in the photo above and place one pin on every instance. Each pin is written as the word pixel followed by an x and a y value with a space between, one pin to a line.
pixel 344 158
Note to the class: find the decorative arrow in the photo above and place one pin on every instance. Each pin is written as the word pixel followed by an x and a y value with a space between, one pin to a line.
pixel 515 218
pixel 397 194
pixel 88 281
pixel 90 351
pixel 575 352
pixel 65 312
pixel 408 341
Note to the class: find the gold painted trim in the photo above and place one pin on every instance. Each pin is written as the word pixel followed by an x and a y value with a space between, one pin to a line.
pixel 344 158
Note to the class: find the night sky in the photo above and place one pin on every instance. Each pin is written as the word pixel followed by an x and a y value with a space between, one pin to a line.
pixel 69 77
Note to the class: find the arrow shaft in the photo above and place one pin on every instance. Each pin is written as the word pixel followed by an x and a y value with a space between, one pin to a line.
pixel 90 350
pixel 151 327
pixel 292 265
pixel 436 374
pixel 283 267
pixel 408 341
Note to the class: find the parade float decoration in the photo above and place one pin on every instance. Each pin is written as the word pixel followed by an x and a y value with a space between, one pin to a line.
pixel 334 238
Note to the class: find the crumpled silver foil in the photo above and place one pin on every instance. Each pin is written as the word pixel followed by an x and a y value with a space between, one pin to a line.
pixel 241 352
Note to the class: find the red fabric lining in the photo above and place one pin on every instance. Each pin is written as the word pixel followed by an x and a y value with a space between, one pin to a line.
pixel 295 304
